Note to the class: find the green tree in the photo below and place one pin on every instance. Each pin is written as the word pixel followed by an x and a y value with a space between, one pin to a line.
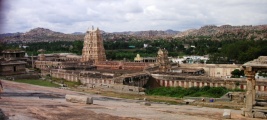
pixel 237 73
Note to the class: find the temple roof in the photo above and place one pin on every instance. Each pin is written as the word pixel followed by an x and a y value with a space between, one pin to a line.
pixel 260 62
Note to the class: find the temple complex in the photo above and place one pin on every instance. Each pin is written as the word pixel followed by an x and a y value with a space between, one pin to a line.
pixel 93 49
pixel 94 71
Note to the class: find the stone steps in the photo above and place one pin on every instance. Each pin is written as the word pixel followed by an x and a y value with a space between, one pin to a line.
pixel 259 109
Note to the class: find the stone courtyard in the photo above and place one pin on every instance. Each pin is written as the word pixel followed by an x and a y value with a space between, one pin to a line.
pixel 23 102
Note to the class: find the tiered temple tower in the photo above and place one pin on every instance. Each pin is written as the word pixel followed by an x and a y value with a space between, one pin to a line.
pixel 163 61
pixel 93 49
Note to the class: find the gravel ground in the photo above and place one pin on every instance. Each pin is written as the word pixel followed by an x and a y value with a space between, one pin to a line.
pixel 29 102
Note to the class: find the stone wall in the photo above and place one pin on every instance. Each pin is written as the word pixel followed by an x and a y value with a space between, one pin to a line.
pixel 105 82
pixel 69 75
pixel 116 65
pixel 12 69
pixel 215 70
pixel 133 66
pixel 165 80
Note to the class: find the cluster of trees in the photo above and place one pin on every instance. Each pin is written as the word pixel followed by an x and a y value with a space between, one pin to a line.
pixel 244 50
pixel 53 47
pixel 237 73
pixel 226 51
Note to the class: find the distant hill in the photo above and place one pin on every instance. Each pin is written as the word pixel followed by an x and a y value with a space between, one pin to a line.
pixel 209 32
pixel 150 33
pixel 38 35
pixel 77 33
pixel 46 35
pixel 225 32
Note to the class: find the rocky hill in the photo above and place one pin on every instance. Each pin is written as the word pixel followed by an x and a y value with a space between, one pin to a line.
pixel 150 33
pixel 210 32
pixel 140 35
pixel 225 32
pixel 38 35
pixel 46 35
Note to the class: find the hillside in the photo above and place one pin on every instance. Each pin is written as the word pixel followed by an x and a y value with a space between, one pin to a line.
pixel 210 32
pixel 46 35
pixel 226 32
pixel 38 35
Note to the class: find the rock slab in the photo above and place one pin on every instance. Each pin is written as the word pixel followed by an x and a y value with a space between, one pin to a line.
pixel 227 114
pixel 259 115
pixel 146 103
pixel 79 99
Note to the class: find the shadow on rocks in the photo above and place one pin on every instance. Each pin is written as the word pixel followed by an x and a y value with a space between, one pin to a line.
pixel 2 115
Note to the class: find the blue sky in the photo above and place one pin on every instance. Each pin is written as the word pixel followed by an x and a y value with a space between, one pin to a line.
pixel 70 16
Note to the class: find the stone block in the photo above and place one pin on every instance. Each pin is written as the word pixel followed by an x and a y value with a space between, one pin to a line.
pixel 259 115
pixel 146 103
pixel 227 114
pixel 79 99
pixel 188 101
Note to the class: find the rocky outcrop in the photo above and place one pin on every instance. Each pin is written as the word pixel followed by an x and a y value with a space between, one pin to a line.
pixel 39 35
pixel 46 35
pixel 226 32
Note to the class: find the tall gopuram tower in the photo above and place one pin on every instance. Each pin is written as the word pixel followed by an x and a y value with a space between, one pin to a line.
pixel 163 61
pixel 93 49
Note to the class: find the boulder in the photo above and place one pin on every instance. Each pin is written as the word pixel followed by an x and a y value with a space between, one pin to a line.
pixel 227 114
pixel 259 115
pixel 146 103
pixel 79 99
pixel 187 101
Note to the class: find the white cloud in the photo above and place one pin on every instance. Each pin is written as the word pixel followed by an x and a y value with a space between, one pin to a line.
pixel 130 15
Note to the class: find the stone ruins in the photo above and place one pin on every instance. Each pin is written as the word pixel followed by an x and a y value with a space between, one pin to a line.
pixel 13 62
pixel 94 71
pixel 254 107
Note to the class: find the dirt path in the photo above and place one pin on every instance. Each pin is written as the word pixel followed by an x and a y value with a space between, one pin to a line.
pixel 29 102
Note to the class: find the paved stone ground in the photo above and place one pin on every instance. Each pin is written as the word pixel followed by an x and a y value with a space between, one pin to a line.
pixel 29 102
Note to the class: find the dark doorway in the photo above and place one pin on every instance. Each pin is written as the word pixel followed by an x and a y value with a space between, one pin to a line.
pixel 14 68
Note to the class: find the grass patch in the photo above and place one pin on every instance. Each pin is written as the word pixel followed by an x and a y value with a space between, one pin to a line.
pixel 68 83
pixel 38 82
pixel 180 92
pixel 170 100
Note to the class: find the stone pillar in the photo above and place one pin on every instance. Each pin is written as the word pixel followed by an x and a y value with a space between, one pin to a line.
pixel 166 83
pixel 170 83
pixel 216 84
pixel 195 84
pixel 256 88
pixel 262 88
pixel 185 84
pixel 200 84
pixel 250 94
pixel 190 84
pixel 180 84
pixel 175 83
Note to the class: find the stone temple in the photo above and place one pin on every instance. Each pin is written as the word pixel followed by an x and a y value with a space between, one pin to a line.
pixel 93 49
pixel 94 71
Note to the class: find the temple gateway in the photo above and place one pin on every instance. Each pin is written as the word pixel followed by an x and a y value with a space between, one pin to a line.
pixel 254 107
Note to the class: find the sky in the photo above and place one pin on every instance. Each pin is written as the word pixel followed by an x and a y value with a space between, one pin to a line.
pixel 70 16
